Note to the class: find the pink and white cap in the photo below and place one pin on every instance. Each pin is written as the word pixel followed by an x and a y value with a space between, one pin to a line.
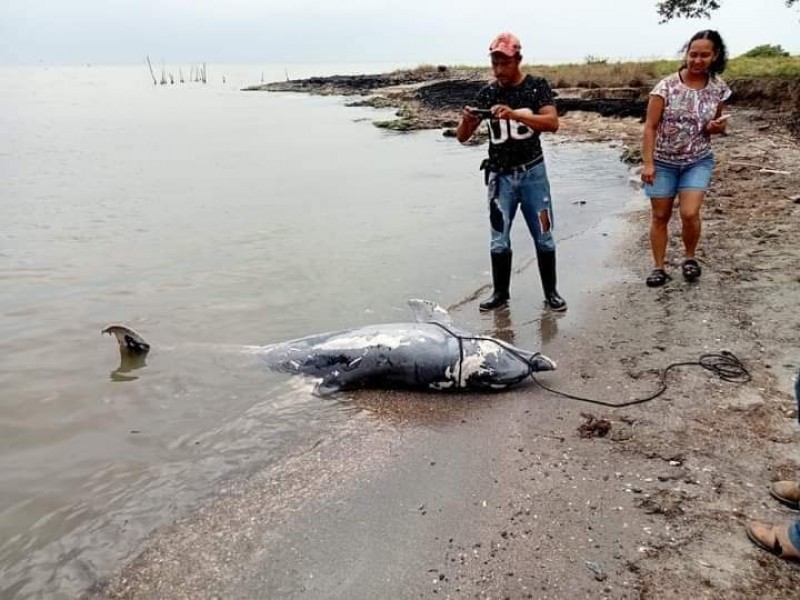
pixel 506 43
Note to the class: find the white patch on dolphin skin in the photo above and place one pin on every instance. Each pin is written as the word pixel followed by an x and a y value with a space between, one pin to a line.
pixel 474 363
pixel 367 341
pixel 449 379
pixel 442 385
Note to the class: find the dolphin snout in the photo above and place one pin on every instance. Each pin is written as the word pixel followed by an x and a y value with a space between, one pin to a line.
pixel 540 362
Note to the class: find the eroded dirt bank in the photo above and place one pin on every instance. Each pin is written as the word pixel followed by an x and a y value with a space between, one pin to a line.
pixel 432 98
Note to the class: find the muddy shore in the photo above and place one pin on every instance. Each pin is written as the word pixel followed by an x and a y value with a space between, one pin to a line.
pixel 501 496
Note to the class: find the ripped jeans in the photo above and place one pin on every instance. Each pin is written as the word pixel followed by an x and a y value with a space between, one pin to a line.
pixel 530 190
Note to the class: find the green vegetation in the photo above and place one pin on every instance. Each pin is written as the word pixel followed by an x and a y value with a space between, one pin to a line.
pixel 404 122
pixel 643 73
pixel 766 51
pixel 761 61
pixel 743 66
pixel 600 73
pixel 396 125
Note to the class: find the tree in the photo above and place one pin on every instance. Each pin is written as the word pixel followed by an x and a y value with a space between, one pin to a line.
pixel 692 9
pixel 766 51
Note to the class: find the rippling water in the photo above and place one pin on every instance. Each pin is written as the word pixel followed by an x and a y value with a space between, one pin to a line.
pixel 208 219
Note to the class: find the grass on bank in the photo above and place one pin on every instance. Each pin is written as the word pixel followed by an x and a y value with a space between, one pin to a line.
pixel 601 73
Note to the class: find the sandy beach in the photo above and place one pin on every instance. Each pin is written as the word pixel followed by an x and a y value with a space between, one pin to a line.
pixel 500 496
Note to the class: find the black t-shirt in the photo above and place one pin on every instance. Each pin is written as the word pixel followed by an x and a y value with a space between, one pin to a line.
pixel 512 143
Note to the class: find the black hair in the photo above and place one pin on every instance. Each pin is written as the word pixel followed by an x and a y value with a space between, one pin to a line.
pixel 517 56
pixel 719 64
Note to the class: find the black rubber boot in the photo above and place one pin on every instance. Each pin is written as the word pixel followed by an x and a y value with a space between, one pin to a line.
pixel 501 279
pixel 547 271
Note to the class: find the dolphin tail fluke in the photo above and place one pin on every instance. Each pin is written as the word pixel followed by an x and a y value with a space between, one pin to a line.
pixel 540 362
pixel 129 341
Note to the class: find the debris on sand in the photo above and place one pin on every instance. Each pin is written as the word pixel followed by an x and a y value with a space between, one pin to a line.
pixel 593 426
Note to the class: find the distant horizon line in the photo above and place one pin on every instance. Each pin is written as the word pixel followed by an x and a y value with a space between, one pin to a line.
pixel 281 64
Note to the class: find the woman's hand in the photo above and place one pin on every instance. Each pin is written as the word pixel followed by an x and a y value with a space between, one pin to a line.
pixel 648 174
pixel 717 125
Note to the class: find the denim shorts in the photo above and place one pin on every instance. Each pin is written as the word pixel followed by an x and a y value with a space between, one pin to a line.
pixel 671 179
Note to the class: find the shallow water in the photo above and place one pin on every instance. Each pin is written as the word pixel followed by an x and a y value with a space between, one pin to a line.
pixel 210 220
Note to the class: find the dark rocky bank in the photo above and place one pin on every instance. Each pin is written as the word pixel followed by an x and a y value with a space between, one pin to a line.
pixel 432 98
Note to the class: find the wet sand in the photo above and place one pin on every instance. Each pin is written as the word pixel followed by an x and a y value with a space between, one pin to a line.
pixel 498 496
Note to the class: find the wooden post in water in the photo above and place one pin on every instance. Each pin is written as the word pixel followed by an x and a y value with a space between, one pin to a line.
pixel 153 75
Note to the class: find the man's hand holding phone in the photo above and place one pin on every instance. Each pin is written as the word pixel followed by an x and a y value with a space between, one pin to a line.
pixel 481 113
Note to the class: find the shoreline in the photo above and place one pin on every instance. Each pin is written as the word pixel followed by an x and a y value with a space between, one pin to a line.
pixel 519 504
pixel 432 97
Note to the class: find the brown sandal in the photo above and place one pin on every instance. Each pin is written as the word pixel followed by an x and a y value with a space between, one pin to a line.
pixel 786 492
pixel 773 539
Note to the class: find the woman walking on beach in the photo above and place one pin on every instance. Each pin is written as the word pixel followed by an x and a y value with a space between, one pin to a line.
pixel 684 110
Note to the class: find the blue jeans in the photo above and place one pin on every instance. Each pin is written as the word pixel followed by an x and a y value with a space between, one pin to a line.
pixel 530 190
pixel 671 179
pixel 794 534
pixel 794 528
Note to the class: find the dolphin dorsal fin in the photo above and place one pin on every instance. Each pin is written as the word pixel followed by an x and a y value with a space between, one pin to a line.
pixel 425 311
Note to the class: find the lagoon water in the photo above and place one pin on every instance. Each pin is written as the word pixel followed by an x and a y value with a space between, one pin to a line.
pixel 210 220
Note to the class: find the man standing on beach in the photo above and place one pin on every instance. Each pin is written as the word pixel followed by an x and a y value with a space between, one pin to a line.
pixel 518 107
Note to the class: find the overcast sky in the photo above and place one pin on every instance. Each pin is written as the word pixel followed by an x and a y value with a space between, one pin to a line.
pixel 417 31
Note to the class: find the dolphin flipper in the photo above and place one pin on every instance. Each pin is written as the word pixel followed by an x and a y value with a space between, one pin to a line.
pixel 425 311
pixel 336 381
pixel 346 377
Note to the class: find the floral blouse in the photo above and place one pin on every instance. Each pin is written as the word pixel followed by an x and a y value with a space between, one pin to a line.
pixel 681 136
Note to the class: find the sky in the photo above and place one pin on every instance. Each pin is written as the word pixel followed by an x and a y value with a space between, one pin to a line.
pixel 76 32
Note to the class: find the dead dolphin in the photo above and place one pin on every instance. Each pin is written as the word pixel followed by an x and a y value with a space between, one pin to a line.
pixel 428 353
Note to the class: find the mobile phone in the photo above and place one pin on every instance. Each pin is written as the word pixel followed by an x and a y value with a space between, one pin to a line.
pixel 483 113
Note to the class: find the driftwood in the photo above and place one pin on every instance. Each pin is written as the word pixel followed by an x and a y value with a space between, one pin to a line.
pixel 760 168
